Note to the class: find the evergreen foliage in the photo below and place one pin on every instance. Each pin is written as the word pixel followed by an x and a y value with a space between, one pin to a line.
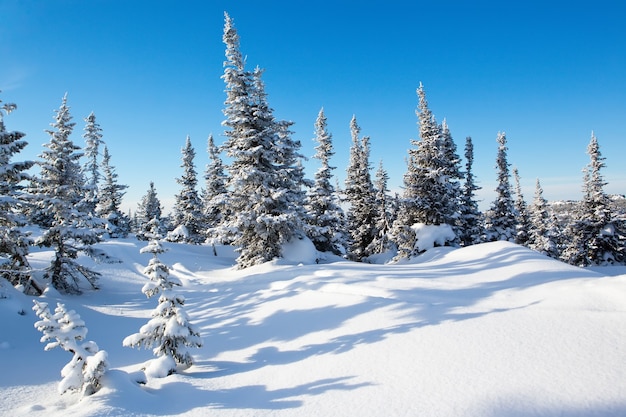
pixel 521 211
pixel 169 332
pixel 58 194
pixel 326 223
pixel 214 196
pixel 500 219
pixel 65 329
pixel 188 213
pixel 14 241
pixel 385 214
pixel 360 194
pixel 594 236
pixel 470 224
pixel 93 141
pixel 265 176
pixel 431 187
pixel 148 209
pixel 543 236
pixel 110 200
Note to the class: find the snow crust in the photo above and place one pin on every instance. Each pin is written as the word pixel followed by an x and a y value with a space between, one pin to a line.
pixel 488 330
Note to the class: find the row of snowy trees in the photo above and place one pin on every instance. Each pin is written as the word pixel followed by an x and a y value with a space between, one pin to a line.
pixel 261 200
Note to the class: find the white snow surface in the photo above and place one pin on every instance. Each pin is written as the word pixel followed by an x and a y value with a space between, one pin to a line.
pixel 489 330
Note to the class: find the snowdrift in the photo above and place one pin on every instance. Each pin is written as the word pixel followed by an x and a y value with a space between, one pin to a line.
pixel 489 330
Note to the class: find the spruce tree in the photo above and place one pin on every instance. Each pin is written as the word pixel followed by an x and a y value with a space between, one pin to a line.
pixel 14 241
pixel 521 212
pixel 93 141
pixel 543 234
pixel 148 209
pixel 110 199
pixel 265 177
pixel 188 217
pixel 360 195
pixel 470 218
pixel 500 220
pixel 384 214
pixel 215 210
pixel 450 178
pixel 325 218
pixel 594 235
pixel 58 194
pixel 65 329
pixel 431 188
pixel 169 331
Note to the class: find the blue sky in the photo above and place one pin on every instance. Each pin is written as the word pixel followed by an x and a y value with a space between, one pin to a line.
pixel 545 72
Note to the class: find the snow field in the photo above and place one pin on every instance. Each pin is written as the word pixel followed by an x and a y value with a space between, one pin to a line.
pixel 489 330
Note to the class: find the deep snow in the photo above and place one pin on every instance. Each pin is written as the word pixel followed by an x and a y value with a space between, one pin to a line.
pixel 489 330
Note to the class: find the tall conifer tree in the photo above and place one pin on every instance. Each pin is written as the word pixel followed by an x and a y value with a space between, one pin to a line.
pixel 14 241
pixel 500 220
pixel 265 176
pixel 470 218
pixel 360 194
pixel 59 192
pixel 326 224
pixel 188 206
pixel 594 235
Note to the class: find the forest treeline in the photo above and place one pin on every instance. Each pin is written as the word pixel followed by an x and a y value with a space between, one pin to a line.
pixel 262 200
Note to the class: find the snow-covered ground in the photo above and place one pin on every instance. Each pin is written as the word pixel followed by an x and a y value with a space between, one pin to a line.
pixel 489 330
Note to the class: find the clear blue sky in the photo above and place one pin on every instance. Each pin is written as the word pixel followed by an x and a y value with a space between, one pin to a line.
pixel 545 72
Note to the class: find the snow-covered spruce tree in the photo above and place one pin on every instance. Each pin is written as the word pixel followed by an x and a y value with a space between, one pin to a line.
pixel 542 236
pixel 450 177
pixel 65 329
pixel 110 195
pixel 169 331
pixel 521 211
pixel 188 219
pixel 360 195
pixel 470 217
pixel 93 141
pixel 214 205
pixel 593 235
pixel 430 188
pixel 326 223
pixel 149 208
pixel 384 214
pixel 14 241
pixel 500 219
pixel 265 177
pixel 58 194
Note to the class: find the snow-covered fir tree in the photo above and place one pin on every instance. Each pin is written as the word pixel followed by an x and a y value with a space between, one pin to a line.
pixel 188 219
pixel 521 212
pixel 594 236
pixel 93 141
pixel 360 195
pixel 431 188
pixel 58 194
pixel 265 177
pixel 450 177
pixel 470 217
pixel 110 195
pixel 385 215
pixel 65 329
pixel 169 331
pixel 500 219
pixel 14 241
pixel 543 236
pixel 148 209
pixel 214 205
pixel 326 222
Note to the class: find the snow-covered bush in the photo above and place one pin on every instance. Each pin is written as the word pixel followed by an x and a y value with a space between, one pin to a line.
pixel 168 332
pixel 67 330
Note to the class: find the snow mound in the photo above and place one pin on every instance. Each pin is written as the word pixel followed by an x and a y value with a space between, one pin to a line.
pixel 299 251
